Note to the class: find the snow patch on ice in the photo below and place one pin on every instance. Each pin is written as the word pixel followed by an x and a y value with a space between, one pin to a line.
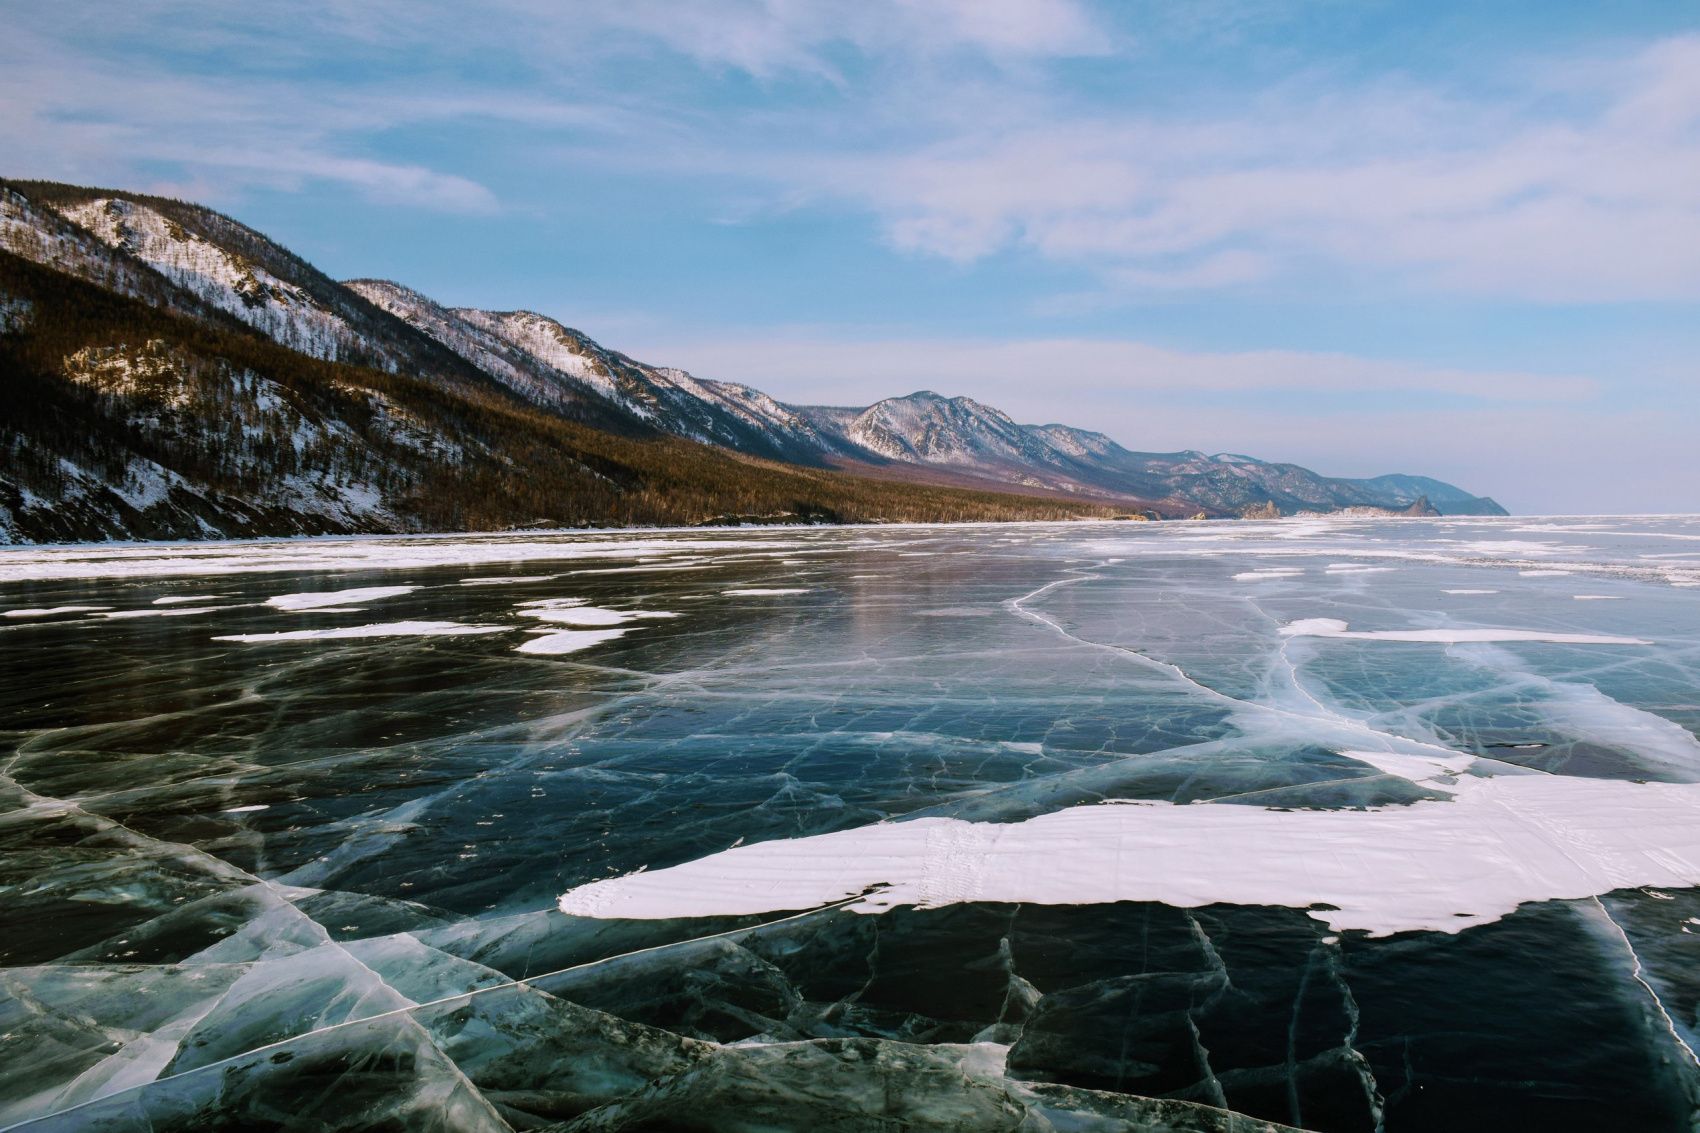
pixel 383 629
pixel 1333 627
pixel 165 612
pixel 320 599
pixel 758 591
pixel 1497 841
pixel 555 642
pixel 578 615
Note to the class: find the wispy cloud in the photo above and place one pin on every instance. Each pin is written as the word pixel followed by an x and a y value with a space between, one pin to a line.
pixel 954 126
pixel 1419 188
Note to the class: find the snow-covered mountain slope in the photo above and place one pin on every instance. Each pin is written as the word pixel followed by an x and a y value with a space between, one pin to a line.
pixel 40 235
pixel 718 413
pixel 285 312
pixel 214 263
pixel 471 338
pixel 555 365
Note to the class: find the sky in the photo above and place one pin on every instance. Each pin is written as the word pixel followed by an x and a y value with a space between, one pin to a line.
pixel 1452 238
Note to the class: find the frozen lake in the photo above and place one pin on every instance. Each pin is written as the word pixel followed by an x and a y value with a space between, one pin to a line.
pixel 1343 824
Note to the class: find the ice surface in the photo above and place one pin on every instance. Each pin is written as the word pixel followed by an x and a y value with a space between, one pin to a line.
pixel 247 887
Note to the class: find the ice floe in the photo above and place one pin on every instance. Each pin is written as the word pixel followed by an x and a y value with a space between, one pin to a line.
pixel 1441 865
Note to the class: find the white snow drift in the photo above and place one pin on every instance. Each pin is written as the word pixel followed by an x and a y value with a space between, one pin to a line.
pixel 1440 865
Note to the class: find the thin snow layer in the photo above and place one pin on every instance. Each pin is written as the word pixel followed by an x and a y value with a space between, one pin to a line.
pixel 594 615
pixel 506 579
pixel 187 599
pixel 1439 865
pixel 568 641
pixel 1545 573
pixel 1469 592
pixel 1268 574
pixel 1333 627
pixel 164 612
pixel 50 611
pixel 145 560
pixel 384 629
pixel 1598 597
pixel 755 591
pixel 322 599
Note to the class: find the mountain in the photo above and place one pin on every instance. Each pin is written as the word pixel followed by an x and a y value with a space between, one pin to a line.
pixel 975 440
pixel 1401 489
pixel 171 372
pixel 143 398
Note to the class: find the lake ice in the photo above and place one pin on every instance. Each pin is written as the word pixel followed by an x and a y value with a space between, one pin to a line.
pixel 1343 824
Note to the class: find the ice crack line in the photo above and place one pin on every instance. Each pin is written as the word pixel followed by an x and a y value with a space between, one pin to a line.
pixel 1325 715
pixel 459 997
pixel 1637 973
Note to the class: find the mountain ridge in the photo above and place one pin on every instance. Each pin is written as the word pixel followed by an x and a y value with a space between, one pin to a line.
pixel 368 371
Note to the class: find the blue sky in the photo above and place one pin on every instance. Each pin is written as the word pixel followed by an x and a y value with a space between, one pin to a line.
pixel 1460 239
